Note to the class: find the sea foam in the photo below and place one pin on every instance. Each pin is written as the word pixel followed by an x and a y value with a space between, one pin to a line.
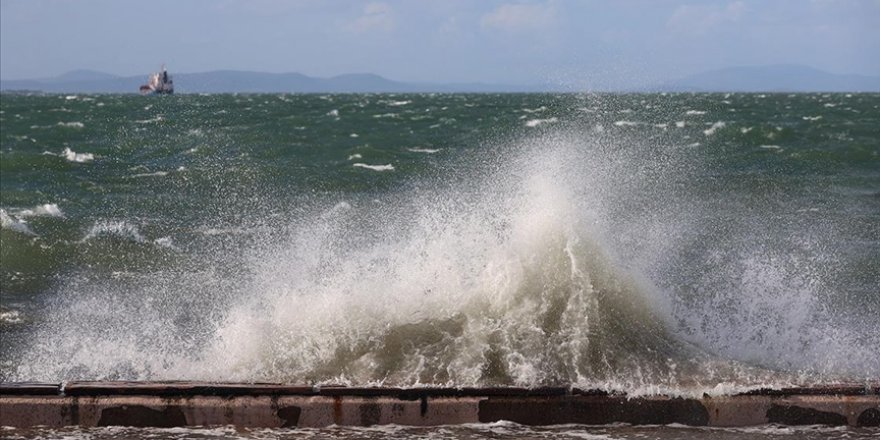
pixel 48 209
pixel 73 156
pixel 388 167
pixel 14 224
pixel 711 130
pixel 536 122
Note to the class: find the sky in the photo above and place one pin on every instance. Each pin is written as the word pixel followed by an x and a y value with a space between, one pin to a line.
pixel 594 43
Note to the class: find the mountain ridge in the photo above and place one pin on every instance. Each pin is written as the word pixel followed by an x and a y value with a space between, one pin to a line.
pixel 768 78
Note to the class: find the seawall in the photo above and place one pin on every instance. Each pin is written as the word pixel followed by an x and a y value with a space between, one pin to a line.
pixel 169 404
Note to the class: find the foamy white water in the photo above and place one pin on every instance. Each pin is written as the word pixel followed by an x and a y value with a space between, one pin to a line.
pixel 73 156
pixel 386 167
pixel 613 258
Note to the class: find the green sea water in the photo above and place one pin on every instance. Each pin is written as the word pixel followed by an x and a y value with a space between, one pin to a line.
pixel 682 243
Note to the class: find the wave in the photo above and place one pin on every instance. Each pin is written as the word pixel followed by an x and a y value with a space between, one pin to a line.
pixel 11 317
pixel 564 258
pixel 712 129
pixel 73 156
pixel 71 124
pixel 536 122
pixel 153 174
pixel 158 118
pixel 423 150
pixel 14 224
pixel 116 229
pixel 48 209
pixel 388 167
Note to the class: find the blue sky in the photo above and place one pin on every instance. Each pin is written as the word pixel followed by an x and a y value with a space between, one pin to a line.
pixel 569 42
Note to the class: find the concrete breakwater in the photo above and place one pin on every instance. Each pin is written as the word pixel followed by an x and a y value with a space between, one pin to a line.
pixel 170 404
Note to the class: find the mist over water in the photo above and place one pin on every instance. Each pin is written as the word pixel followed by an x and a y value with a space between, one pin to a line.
pixel 644 243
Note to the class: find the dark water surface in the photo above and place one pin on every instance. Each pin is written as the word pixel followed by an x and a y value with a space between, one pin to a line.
pixel 681 243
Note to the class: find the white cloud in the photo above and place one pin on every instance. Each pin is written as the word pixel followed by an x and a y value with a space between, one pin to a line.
pixel 700 19
pixel 376 16
pixel 520 17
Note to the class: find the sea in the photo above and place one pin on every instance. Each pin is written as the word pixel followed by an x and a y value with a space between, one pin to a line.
pixel 682 244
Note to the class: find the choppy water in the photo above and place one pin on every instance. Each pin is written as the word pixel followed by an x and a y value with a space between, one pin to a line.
pixel 647 243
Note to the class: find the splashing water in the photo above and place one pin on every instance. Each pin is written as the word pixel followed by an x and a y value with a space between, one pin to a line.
pixel 566 256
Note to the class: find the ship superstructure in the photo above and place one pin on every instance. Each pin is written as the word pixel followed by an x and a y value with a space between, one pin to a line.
pixel 160 83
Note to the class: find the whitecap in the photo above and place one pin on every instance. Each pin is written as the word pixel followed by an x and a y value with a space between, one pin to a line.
pixel 334 113
pixel 386 115
pixel 149 121
pixel 355 156
pixel 423 150
pixel 353 135
pixel 536 122
pixel 695 112
pixel 771 147
pixel 153 174
pixel 11 317
pixel 535 110
pixel 121 229
pixel 399 103
pixel 811 118
pixel 13 224
pixel 387 167
pixel 745 130
pixel 166 242
pixel 711 130
pixel 48 209
pixel 74 124
pixel 73 156
pixel 679 124
pixel 625 123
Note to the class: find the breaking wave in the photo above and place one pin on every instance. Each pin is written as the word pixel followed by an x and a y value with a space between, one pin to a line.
pixel 558 259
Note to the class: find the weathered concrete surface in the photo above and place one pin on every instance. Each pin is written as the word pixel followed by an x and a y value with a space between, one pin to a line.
pixel 242 411
pixel 168 404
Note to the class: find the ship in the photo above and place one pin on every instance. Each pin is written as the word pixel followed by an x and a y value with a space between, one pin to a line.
pixel 160 83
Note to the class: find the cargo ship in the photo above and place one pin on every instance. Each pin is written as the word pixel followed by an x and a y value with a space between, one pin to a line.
pixel 160 83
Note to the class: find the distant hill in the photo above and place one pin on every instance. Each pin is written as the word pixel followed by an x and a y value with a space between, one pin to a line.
pixel 233 81
pixel 778 78
pixel 82 75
